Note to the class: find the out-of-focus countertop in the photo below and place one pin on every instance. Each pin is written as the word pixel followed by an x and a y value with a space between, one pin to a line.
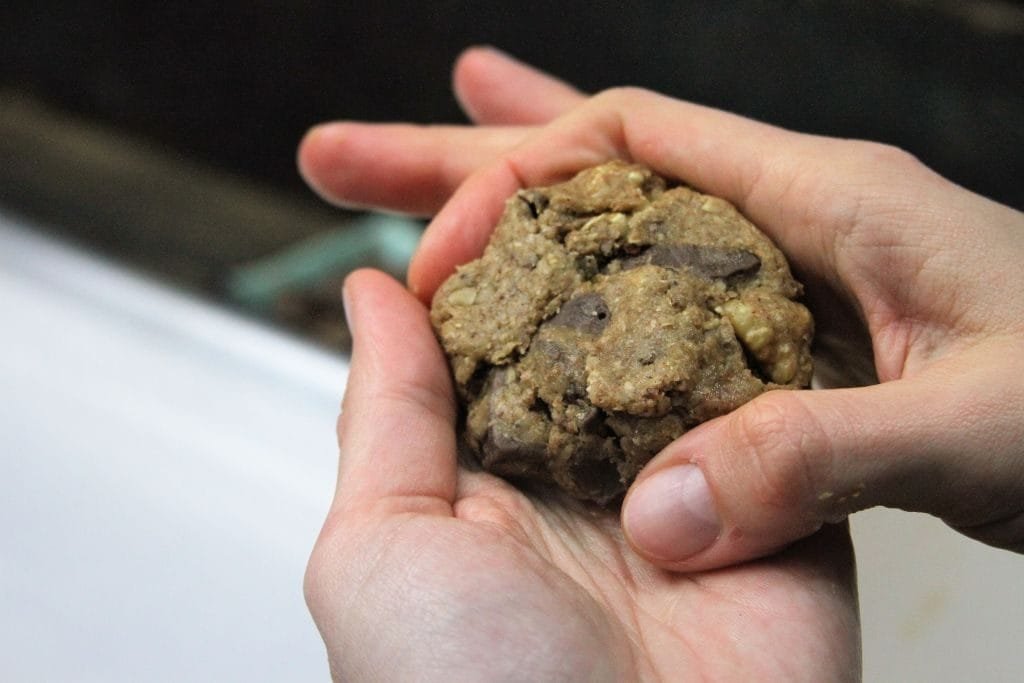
pixel 164 470
pixel 165 467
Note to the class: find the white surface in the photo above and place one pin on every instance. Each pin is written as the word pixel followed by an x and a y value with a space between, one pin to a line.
pixel 164 470
pixel 935 605
pixel 165 467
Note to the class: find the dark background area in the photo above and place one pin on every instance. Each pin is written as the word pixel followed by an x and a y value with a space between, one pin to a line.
pixel 227 90
pixel 238 83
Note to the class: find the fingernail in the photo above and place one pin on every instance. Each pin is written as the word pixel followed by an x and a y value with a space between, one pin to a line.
pixel 671 516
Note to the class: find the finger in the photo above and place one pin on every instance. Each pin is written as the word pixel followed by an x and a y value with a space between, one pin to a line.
pixel 778 468
pixel 677 139
pixel 460 230
pixel 397 167
pixel 415 169
pixel 396 430
pixel 495 89
pixel 772 175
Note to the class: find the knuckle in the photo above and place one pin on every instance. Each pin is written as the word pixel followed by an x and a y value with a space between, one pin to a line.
pixel 623 95
pixel 397 401
pixel 786 450
pixel 612 111
pixel 875 154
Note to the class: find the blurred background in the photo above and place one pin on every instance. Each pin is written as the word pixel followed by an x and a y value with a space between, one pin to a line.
pixel 153 218
pixel 164 134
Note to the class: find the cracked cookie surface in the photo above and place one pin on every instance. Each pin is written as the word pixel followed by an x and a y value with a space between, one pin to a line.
pixel 608 315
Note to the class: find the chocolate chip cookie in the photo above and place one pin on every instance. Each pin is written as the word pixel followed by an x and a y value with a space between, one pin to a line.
pixel 608 315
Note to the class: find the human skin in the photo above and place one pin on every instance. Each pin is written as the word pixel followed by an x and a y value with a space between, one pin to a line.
pixel 920 342
pixel 911 278
pixel 427 571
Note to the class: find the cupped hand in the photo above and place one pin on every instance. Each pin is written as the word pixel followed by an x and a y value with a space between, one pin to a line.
pixel 427 571
pixel 912 280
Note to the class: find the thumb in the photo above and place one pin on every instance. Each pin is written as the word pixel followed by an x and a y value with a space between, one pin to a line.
pixel 781 466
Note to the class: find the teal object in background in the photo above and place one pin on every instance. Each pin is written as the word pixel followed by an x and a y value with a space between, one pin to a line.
pixel 379 240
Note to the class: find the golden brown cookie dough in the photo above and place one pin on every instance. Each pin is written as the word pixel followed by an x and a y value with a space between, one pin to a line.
pixel 608 315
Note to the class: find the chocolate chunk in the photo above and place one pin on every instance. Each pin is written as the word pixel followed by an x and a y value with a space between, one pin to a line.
pixel 536 201
pixel 592 421
pixel 557 357
pixel 587 313
pixel 511 457
pixel 597 478
pixel 708 261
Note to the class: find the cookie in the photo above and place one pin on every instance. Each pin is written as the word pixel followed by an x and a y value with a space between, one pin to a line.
pixel 608 315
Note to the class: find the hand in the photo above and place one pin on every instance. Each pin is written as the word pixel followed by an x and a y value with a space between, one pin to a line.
pixel 912 280
pixel 425 571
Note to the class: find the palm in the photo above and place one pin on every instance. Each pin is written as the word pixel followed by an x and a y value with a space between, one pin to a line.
pixel 425 571
pixel 549 590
